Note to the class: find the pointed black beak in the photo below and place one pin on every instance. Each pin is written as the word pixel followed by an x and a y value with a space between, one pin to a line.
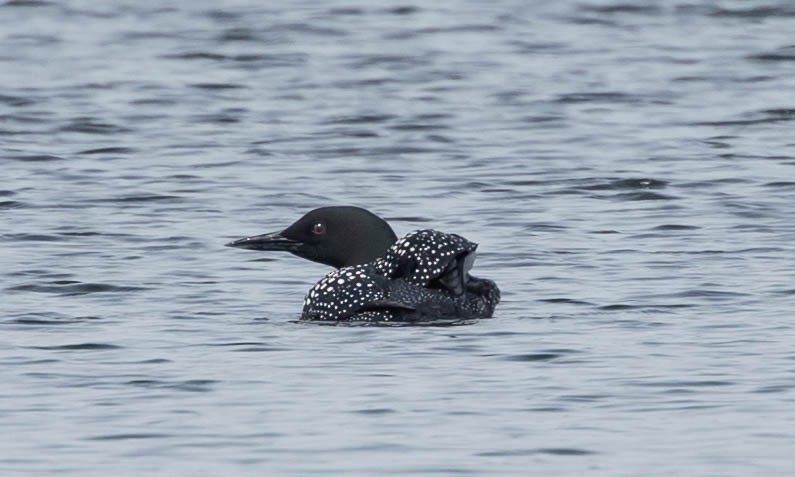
pixel 274 241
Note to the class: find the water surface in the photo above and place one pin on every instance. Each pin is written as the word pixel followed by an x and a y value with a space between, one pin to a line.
pixel 627 168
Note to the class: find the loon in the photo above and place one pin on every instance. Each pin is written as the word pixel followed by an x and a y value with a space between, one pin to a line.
pixel 424 276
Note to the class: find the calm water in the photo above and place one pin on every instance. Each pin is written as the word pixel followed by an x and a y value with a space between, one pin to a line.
pixel 627 168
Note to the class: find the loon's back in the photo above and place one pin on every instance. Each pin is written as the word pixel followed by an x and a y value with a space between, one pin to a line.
pixel 423 277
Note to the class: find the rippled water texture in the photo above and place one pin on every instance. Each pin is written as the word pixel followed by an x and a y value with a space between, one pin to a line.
pixel 628 170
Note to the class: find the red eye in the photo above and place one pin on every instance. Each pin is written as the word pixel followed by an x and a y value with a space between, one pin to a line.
pixel 319 228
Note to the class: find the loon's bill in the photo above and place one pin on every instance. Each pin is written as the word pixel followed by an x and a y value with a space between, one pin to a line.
pixel 269 242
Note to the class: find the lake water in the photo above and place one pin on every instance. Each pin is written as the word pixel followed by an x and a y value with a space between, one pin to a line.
pixel 628 170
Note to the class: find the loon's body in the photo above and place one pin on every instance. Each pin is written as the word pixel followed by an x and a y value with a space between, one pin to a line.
pixel 424 276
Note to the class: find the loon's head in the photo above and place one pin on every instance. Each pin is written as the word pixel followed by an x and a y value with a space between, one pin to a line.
pixel 336 236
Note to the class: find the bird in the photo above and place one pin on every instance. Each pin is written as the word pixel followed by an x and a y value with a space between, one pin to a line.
pixel 422 277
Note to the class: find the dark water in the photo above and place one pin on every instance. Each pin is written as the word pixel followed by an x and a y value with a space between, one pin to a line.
pixel 627 168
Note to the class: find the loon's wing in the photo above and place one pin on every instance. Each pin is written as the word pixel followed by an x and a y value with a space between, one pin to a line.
pixel 386 304
pixel 431 259
pixel 405 301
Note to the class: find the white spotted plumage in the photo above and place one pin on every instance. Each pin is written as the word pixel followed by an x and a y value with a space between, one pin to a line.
pixel 430 252
pixel 354 287
pixel 377 291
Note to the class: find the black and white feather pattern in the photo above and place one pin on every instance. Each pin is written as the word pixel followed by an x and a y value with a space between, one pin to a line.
pixel 423 255
pixel 343 292
pixel 422 275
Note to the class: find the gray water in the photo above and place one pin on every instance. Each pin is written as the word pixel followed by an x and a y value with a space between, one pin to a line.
pixel 628 170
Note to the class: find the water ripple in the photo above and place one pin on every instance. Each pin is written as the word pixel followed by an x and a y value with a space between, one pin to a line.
pixel 73 287
pixel 79 347
pixel 559 451
pixel 128 436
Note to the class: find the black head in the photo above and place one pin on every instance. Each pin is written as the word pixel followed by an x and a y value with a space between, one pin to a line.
pixel 336 236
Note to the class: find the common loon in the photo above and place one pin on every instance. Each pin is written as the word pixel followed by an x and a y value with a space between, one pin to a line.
pixel 424 276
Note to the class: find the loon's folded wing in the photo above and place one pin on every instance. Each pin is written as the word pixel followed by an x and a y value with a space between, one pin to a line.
pixel 386 304
pixel 405 301
pixel 432 259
